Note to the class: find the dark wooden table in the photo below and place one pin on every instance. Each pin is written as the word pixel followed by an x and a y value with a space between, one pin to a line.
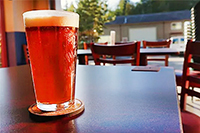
pixel 81 53
pixel 143 54
pixel 116 100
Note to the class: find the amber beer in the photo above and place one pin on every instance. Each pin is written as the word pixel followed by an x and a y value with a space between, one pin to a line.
pixel 52 44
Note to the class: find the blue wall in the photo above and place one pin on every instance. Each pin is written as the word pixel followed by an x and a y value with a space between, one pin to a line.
pixel 14 48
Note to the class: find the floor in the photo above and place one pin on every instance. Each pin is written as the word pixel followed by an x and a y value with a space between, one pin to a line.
pixel 193 104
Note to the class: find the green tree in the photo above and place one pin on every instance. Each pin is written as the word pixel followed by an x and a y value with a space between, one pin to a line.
pixel 125 7
pixel 155 6
pixel 71 8
pixel 121 8
pixel 93 16
pixel 129 8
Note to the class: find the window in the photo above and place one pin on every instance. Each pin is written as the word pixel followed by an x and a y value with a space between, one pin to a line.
pixel 175 41
pixel 182 40
pixel 176 26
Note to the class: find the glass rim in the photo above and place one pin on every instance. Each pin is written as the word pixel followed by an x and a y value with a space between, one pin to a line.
pixel 50 18
pixel 38 13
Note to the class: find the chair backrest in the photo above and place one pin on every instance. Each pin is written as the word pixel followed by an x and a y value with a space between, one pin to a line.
pixel 87 45
pixel 191 72
pixel 158 44
pixel 26 53
pixel 111 54
pixel 119 43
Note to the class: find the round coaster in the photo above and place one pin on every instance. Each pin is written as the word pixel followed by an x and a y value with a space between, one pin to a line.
pixel 71 111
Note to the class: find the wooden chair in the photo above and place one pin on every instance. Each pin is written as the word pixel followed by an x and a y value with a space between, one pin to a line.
pixel 87 46
pixel 190 121
pixel 26 53
pixel 118 43
pixel 116 54
pixel 179 76
pixel 159 44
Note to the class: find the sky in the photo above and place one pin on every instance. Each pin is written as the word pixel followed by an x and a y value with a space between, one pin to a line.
pixel 112 4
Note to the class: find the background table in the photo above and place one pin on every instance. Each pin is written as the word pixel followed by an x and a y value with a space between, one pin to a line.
pixel 143 54
pixel 155 51
pixel 81 53
pixel 116 100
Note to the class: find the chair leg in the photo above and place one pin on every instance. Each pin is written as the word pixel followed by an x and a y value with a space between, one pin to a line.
pixel 166 60
pixel 183 99
pixel 192 96
pixel 86 60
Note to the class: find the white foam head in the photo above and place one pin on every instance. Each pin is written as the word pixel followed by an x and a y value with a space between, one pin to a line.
pixel 50 18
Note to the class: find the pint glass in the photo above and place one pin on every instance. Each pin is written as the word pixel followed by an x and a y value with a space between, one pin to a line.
pixel 52 44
